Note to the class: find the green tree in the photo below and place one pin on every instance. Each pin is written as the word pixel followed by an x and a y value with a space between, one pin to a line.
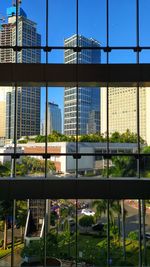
pixel 86 221
pixel 21 216
pixel 123 166
pixel 33 165
pixel 5 169
pixel 5 213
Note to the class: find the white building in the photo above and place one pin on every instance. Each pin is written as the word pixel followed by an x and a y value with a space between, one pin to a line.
pixel 67 164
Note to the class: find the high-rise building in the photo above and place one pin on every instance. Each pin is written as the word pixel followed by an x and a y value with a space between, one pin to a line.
pixel 93 124
pixel 88 98
pixel 54 120
pixel 28 99
pixel 3 94
pixel 122 104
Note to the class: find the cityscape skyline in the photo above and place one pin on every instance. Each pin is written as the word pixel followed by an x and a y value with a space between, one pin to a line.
pixel 122 30
pixel 55 94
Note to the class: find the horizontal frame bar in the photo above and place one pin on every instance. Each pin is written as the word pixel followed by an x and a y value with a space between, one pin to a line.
pixel 92 75
pixel 50 48
pixel 69 188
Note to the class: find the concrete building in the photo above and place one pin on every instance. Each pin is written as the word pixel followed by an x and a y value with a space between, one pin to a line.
pixel 28 99
pixel 67 165
pixel 123 111
pixel 88 98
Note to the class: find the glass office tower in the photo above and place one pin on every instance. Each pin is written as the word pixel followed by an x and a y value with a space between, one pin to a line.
pixel 28 99
pixel 88 98
pixel 54 121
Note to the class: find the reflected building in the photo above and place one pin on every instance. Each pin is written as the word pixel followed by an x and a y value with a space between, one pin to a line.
pixel 28 99
pixel 88 98
pixel 54 119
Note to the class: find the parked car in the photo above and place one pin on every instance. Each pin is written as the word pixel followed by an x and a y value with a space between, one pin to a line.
pixel 87 212
pixel 98 227
pixel 147 236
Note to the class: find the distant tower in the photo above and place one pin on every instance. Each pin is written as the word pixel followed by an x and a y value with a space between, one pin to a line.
pixel 54 121
pixel 28 99
pixel 88 98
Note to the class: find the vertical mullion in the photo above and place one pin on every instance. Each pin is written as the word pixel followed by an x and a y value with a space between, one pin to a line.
pixel 107 111
pixel 15 141
pixel 77 119
pixel 138 130
pixel 144 239
pixel 46 142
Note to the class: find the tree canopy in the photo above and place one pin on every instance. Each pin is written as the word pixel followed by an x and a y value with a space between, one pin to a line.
pixel 116 137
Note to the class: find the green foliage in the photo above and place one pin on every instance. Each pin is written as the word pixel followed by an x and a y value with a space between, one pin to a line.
pixel 5 209
pixel 23 141
pixel 133 235
pixel 101 208
pixel 35 248
pixel 123 166
pixel 21 212
pixel 4 252
pixel 86 221
pixel 92 138
pixel 116 137
pixel 4 169
pixel 33 165
pixel 54 137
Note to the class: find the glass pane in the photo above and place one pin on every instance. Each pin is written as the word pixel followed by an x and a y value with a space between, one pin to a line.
pixel 122 30
pixel 144 23
pixel 64 27
pixel 122 56
pixel 95 27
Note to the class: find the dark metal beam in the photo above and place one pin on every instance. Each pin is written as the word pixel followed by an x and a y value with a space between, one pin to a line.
pixel 65 74
pixel 40 188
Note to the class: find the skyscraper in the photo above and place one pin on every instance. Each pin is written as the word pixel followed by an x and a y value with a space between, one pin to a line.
pixel 54 121
pixel 88 98
pixel 28 99
pixel 123 110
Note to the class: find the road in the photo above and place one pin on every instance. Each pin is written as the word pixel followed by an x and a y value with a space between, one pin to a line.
pixel 17 234
pixel 132 221
pixel 6 261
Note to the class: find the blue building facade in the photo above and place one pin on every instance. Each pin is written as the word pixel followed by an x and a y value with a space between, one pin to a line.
pixel 88 97
pixel 54 122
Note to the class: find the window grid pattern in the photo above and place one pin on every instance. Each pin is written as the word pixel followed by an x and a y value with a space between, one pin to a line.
pixel 77 48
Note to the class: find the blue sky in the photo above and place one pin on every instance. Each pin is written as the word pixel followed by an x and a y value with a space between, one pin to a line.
pixel 92 23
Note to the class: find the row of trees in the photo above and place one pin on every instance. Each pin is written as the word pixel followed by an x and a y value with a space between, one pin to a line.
pixel 6 210
pixel 126 166
pixel 27 165
pixel 116 137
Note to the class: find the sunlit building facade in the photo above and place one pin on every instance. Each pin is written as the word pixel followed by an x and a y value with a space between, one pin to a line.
pixel 123 110
pixel 88 98
pixel 28 99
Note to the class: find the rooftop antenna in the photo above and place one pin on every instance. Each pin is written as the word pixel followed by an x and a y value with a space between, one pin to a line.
pixel 14 2
pixel 2 20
